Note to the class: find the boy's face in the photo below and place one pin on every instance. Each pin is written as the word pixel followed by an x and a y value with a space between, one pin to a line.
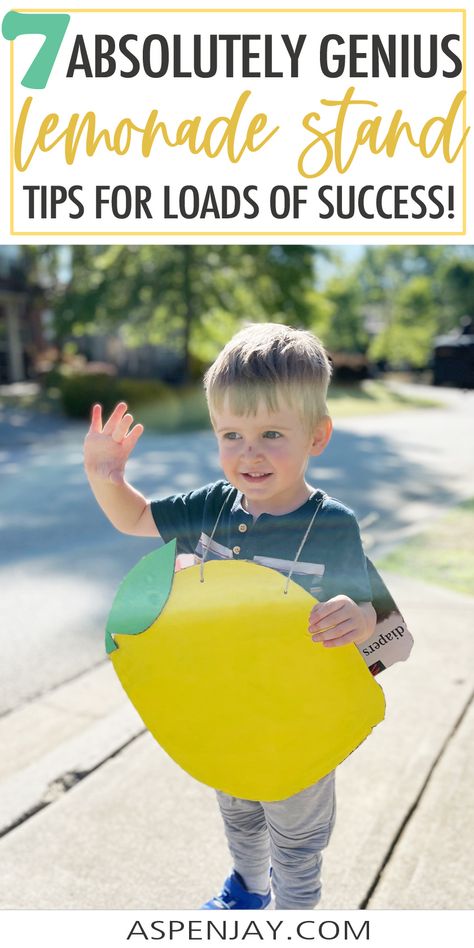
pixel 265 455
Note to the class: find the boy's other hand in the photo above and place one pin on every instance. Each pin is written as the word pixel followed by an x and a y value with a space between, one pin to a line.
pixel 340 621
pixel 107 447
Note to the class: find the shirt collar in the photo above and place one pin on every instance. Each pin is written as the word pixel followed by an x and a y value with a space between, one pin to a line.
pixel 238 509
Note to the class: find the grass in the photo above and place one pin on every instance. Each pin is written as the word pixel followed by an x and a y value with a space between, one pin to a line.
pixel 184 410
pixel 370 398
pixel 443 555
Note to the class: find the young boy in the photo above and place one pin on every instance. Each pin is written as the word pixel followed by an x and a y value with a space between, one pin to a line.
pixel 266 393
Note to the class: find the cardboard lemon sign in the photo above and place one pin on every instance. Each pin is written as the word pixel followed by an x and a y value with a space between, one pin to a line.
pixel 227 679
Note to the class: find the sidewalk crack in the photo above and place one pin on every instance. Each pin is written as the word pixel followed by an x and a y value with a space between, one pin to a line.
pixel 41 695
pixel 412 810
pixel 63 784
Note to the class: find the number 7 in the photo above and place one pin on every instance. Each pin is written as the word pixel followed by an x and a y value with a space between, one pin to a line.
pixel 52 26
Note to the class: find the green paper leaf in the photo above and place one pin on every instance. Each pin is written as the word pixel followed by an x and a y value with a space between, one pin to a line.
pixel 142 595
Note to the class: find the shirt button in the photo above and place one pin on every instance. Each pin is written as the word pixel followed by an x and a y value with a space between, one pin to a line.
pixel 236 550
pixel 242 528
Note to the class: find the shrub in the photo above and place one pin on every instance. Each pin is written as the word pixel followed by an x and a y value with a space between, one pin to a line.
pixel 80 392
pixel 138 392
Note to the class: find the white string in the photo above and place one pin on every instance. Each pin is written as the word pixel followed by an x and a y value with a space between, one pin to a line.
pixel 292 569
pixel 287 581
pixel 206 548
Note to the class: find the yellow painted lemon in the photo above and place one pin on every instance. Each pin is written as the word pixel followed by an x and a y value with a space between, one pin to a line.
pixel 226 677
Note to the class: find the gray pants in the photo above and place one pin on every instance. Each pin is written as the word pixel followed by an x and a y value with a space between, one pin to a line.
pixel 289 834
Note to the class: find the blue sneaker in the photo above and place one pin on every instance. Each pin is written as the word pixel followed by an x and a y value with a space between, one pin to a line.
pixel 235 895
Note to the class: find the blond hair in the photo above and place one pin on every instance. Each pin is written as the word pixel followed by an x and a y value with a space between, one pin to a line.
pixel 269 362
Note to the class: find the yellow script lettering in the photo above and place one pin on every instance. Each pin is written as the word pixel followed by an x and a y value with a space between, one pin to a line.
pixel 341 147
pixel 221 132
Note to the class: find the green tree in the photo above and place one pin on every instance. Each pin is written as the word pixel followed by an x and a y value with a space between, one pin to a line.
pixel 189 298
pixel 408 337
pixel 346 331
pixel 415 293
pixel 458 280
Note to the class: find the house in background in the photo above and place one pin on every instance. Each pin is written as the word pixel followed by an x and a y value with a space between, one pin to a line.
pixel 21 327
pixel 453 356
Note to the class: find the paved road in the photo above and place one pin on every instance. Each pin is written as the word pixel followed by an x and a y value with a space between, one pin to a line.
pixel 60 561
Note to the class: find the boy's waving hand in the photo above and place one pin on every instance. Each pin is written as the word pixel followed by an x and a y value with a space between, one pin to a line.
pixel 106 452
pixel 107 447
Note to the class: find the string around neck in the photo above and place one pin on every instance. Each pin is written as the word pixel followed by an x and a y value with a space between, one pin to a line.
pixel 298 553
pixel 206 548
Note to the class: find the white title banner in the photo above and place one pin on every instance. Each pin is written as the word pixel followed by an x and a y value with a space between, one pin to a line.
pixel 161 123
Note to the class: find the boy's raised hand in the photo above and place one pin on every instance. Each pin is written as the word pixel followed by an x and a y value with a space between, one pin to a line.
pixel 107 447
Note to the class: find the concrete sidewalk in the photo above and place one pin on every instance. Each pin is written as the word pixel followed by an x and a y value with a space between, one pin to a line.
pixel 96 816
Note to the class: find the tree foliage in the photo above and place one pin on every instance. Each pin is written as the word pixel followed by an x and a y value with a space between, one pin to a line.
pixel 189 298
pixel 389 302
pixel 346 331
pixel 415 293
